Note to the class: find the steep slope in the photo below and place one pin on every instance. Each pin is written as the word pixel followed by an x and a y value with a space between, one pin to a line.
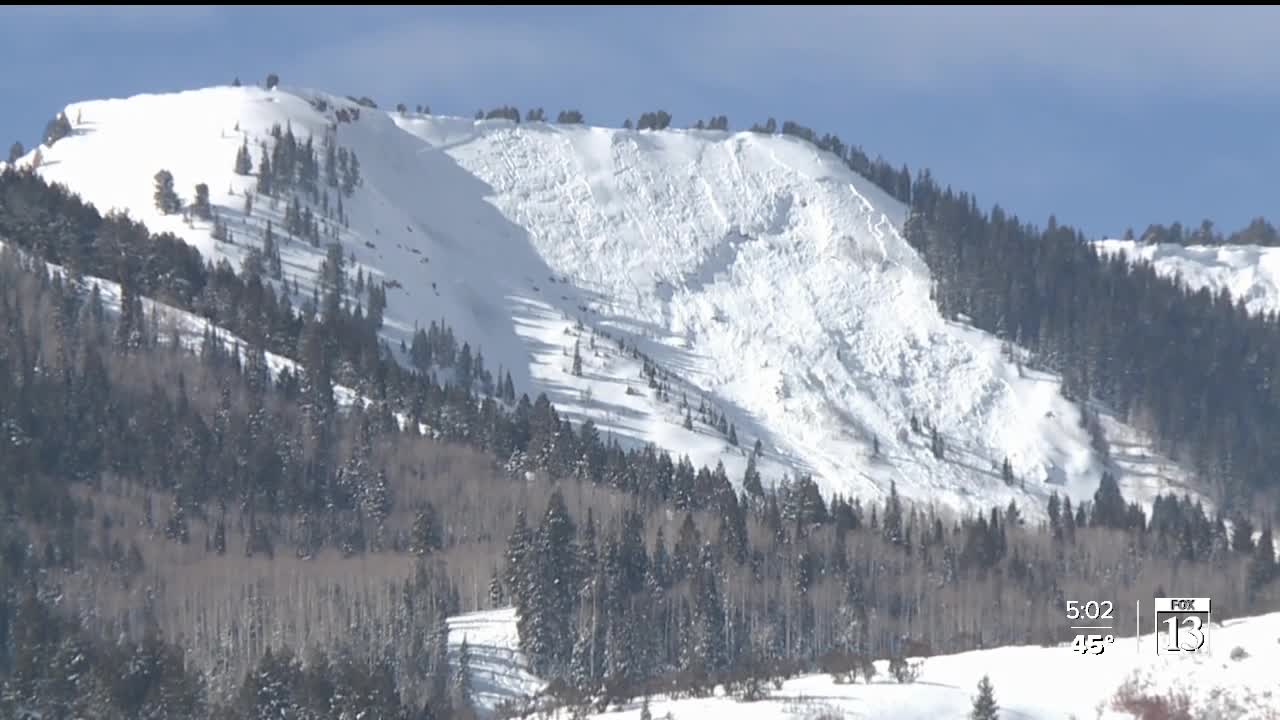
pixel 1251 273
pixel 764 279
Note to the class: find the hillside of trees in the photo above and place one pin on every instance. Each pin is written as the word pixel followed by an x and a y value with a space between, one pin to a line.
pixel 172 518
pixel 1193 368
pixel 1257 232
pixel 190 533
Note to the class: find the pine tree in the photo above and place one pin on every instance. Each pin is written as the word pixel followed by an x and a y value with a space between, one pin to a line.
pixel 515 575
pixel 577 359
pixel 167 201
pixel 56 129
pixel 733 435
pixel 751 479
pixel 425 535
pixel 244 164
pixel 496 597
pixel 892 527
pixel 1262 567
pixel 1109 508
pixel 200 206
pixel 1242 535
pixel 984 706
pixel 1055 514
pixel 545 610
pixel 16 151
pixel 463 697
pixel 439 685
pixel 264 174
pixel 220 537
pixel 688 420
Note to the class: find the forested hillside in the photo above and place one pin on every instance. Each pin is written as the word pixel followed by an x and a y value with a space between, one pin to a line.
pixel 1195 369
pixel 193 533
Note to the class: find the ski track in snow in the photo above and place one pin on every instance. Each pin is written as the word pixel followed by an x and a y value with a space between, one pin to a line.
pixel 762 273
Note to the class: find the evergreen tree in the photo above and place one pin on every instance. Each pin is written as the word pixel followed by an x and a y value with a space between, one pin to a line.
pixel 439 686
pixel 200 206
pixel 751 479
pixel 892 527
pixel 16 151
pixel 166 198
pixel 546 606
pixel 265 179
pixel 425 536
pixel 56 129
pixel 1242 535
pixel 220 537
pixel 577 359
pixel 1262 567
pixel 1109 508
pixel 1055 514
pixel 463 697
pixel 984 705
pixel 244 164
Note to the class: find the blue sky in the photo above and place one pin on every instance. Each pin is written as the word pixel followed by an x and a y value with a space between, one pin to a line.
pixel 1106 117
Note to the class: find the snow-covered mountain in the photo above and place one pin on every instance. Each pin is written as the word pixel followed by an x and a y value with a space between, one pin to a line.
pixel 762 276
pixel 1251 273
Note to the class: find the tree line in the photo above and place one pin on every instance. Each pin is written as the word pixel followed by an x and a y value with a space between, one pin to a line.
pixel 107 410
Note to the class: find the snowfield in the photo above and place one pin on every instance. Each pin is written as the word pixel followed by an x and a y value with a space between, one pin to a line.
pixel 761 275
pixel 1251 273
pixel 1031 683
pixel 497 667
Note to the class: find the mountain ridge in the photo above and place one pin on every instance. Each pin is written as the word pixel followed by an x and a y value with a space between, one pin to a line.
pixel 781 249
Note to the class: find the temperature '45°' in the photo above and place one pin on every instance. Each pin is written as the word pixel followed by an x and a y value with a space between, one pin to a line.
pixel 1091 644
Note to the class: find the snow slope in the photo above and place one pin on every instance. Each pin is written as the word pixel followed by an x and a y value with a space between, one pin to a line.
pixel 762 275
pixel 1251 273
pixel 497 667
pixel 1031 682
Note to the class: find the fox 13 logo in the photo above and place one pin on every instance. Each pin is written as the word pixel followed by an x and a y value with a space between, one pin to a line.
pixel 1182 625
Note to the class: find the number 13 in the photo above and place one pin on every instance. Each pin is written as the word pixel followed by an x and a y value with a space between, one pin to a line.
pixel 1191 633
